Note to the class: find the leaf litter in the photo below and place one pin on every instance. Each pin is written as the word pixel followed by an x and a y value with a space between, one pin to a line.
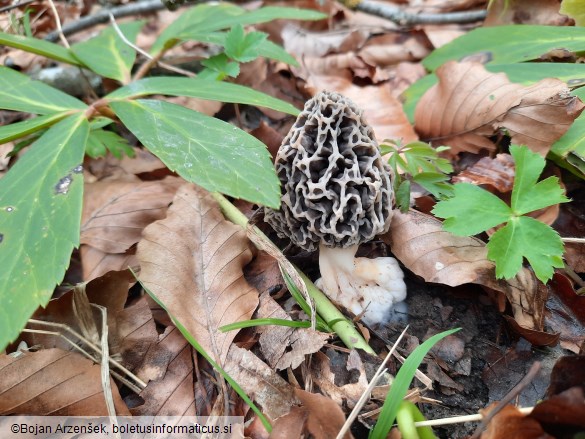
pixel 127 212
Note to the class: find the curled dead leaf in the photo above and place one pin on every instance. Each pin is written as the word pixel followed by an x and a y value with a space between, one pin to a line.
pixel 420 243
pixel 470 104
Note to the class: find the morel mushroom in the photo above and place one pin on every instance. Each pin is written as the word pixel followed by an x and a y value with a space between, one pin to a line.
pixel 336 194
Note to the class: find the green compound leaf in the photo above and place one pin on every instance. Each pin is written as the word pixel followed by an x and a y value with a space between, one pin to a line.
pixel 204 150
pixel 527 194
pixel 525 237
pixel 29 126
pixel 508 44
pixel 40 215
pixel 265 48
pixel 20 93
pixel 202 89
pixel 471 210
pixel 107 54
pixel 100 141
pixel 241 46
pixel 39 47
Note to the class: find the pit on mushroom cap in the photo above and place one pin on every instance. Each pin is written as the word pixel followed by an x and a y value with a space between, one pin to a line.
pixel 336 194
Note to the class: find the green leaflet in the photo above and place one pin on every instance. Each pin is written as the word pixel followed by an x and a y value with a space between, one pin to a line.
pixel 508 44
pixel 107 54
pixel 40 215
pixel 20 93
pixel 207 151
pixel 29 126
pixel 202 89
pixel 40 47
pixel 473 210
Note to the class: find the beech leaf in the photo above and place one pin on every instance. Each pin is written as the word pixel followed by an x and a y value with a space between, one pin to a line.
pixel 424 247
pixel 470 104
pixel 192 261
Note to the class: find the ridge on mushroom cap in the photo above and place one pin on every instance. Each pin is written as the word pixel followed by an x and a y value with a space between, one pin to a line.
pixel 336 189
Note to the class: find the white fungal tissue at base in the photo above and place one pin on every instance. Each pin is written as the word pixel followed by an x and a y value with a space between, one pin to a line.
pixel 375 285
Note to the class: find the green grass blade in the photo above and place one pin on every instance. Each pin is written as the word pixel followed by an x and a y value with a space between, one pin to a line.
pixel 29 126
pixel 204 150
pixel 210 360
pixel 264 322
pixel 39 47
pixel 40 215
pixel 20 93
pixel 401 383
pixel 202 89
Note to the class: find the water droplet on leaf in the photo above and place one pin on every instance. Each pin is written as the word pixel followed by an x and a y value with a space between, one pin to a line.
pixel 62 187
pixel 10 209
pixel 78 169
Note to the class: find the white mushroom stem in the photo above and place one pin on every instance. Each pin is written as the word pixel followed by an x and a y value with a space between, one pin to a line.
pixel 360 283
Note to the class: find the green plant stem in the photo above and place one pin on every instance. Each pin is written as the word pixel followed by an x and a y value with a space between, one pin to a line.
pixel 407 415
pixel 344 328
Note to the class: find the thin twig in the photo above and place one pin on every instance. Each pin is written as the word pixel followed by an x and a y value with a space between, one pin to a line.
pixel 403 18
pixel 104 15
pixel 574 240
pixel 462 419
pixel 146 54
pixel 89 344
pixel 105 368
pixel 58 24
pixel 509 397
pixel 366 394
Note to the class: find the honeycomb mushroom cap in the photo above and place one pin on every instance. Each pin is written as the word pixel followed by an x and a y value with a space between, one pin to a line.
pixel 336 189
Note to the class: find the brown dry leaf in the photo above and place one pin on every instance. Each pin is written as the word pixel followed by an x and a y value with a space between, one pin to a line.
pixel 306 44
pixel 440 34
pixel 272 393
pixel 319 417
pixel 512 423
pixel 469 104
pixel 381 109
pixel 136 332
pixel 420 243
pixel 115 212
pixel 285 347
pixel 168 369
pixel 54 382
pixel 393 48
pixel 325 378
pixel 497 172
pixel 110 291
pixel 96 263
pixel 192 261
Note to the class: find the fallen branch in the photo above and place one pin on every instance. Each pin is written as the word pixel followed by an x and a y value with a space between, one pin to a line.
pixel 104 16
pixel 403 18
